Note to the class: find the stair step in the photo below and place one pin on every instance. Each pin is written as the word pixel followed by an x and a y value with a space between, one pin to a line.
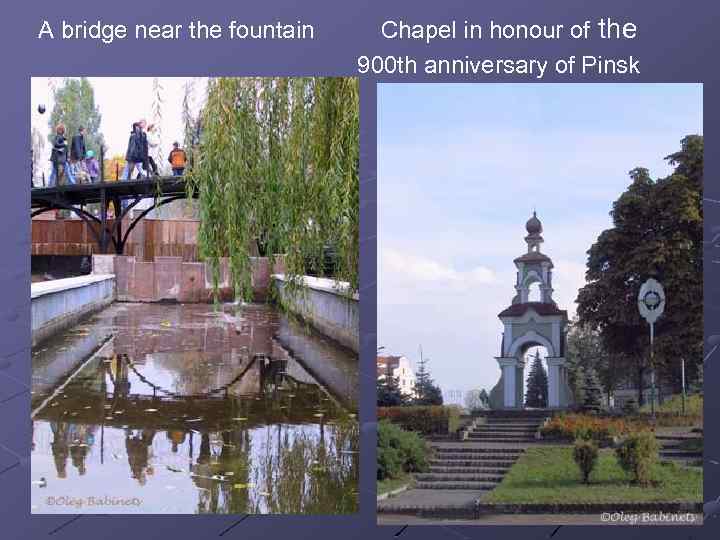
pixel 458 477
pixel 472 463
pixel 476 450
pixel 504 429
pixel 469 470
pixel 476 486
pixel 684 454
pixel 503 432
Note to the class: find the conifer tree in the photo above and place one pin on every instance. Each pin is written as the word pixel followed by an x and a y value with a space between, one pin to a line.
pixel 592 391
pixel 426 392
pixel 388 390
pixel 536 395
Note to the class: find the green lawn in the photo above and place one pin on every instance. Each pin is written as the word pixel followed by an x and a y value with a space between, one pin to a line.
pixel 383 486
pixel 549 475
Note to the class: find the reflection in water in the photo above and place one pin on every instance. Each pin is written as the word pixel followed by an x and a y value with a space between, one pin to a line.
pixel 188 410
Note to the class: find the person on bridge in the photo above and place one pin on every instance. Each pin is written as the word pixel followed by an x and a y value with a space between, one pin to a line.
pixel 153 142
pixel 58 157
pixel 92 166
pixel 134 156
pixel 177 159
pixel 77 155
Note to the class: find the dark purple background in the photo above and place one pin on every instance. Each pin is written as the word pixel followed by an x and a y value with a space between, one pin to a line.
pixel 677 43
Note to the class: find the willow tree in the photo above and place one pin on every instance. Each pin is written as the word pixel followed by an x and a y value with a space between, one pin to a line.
pixel 277 172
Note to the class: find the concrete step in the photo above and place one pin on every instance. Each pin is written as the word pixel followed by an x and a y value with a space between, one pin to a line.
pixel 501 437
pixel 469 470
pixel 458 477
pixel 523 433
pixel 505 440
pixel 678 437
pixel 476 463
pixel 479 486
pixel 490 428
pixel 475 450
pixel 680 454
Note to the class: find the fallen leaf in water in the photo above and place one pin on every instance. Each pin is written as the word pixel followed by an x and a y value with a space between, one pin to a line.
pixel 173 468
pixel 151 410
pixel 240 419
pixel 264 493
pixel 166 324
pixel 318 415
pixel 194 420
pixel 243 486
pixel 87 407
pixel 109 418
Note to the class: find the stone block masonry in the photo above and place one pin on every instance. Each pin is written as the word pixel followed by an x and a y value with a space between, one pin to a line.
pixel 170 279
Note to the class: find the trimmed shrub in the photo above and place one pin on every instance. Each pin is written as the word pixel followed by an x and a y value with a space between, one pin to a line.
pixel 637 455
pixel 399 451
pixel 585 455
pixel 427 420
pixel 569 427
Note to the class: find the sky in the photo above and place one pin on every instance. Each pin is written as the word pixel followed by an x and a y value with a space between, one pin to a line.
pixel 461 168
pixel 122 101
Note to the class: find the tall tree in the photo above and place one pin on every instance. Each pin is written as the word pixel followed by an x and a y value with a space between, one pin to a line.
pixel 75 107
pixel 388 390
pixel 657 232
pixel 536 395
pixel 426 392
pixel 278 165
pixel 591 390
pixel 585 348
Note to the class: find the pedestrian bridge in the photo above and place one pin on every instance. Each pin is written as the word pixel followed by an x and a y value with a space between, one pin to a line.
pixel 124 195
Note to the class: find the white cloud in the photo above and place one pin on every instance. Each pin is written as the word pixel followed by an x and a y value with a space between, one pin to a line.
pixel 417 268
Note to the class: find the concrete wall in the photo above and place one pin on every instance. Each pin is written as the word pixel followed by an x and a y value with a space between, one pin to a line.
pixel 324 304
pixel 170 279
pixel 61 303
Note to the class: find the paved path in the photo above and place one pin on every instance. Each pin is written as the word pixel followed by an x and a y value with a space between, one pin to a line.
pixel 517 519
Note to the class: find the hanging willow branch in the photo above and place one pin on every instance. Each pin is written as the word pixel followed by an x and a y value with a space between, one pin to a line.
pixel 278 172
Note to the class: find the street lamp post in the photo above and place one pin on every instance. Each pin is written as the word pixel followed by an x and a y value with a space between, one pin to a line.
pixel 651 304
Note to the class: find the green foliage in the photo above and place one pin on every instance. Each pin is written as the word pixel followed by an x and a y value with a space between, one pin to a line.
pixel 278 167
pixel 399 451
pixel 591 390
pixel 426 392
pixel 585 454
pixel 388 390
pixel 657 232
pixel 427 420
pixel 587 427
pixel 693 405
pixel 536 394
pixel 548 475
pixel 586 349
pixel 75 107
pixel 637 455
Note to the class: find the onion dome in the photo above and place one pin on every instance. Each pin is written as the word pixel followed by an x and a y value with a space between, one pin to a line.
pixel 533 225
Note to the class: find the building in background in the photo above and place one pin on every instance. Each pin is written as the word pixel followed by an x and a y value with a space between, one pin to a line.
pixel 401 369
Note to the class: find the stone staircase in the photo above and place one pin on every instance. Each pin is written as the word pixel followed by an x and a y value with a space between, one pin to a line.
pixel 673 447
pixel 472 468
pixel 463 471
pixel 506 429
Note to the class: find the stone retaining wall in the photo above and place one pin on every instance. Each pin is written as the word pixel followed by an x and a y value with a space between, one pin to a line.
pixel 325 305
pixel 169 279
pixel 61 303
